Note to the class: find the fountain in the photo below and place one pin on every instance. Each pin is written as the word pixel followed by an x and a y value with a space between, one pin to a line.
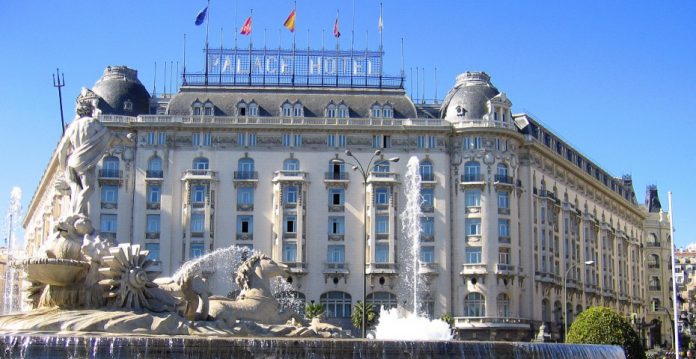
pixel 11 296
pixel 92 298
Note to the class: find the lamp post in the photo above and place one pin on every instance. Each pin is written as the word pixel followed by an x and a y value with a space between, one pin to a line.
pixel 365 171
pixel 565 295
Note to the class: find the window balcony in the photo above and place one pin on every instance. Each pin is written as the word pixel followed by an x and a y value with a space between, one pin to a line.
pixel 336 176
pixel 473 269
pixel 152 235
pixel 491 322
pixel 153 205
pixel 471 180
pixel 504 239
pixel 429 268
pixel 427 237
pixel 505 269
pixel 336 208
pixel 297 267
pixel 336 237
pixel 204 175
pixel 383 177
pixel 427 177
pixel 197 234
pixel 109 205
pixel 301 176
pixel 245 207
pixel 653 244
pixel 503 181
pixel 110 173
pixel 504 211
pixel 380 268
pixel 654 288
pixel 427 208
pixel 336 268
pixel 473 209
pixel 245 236
pixel 154 174
pixel 245 175
pixel 653 265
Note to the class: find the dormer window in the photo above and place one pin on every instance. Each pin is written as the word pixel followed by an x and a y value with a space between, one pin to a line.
pixel 387 111
pixel 253 109
pixel 376 111
pixel 342 111
pixel 128 105
pixel 331 110
pixel 287 110
pixel 461 111
pixel 298 110
pixel 241 109
pixel 196 108
pixel 208 109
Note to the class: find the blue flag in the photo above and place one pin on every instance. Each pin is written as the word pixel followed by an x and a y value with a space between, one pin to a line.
pixel 201 16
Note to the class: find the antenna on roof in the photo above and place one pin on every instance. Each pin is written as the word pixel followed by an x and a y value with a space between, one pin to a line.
pixel 171 76
pixel 435 76
pixel 59 82
pixel 183 78
pixel 164 80
pixel 423 74
pixel 154 82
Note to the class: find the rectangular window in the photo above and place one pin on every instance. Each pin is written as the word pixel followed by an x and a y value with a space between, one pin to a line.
pixel 331 140
pixel 386 141
pixel 245 224
pixel 109 194
pixel 241 139
pixel 466 143
pixel 504 256
pixel 150 138
pixel 196 139
pixel 341 140
pixel 504 227
pixel 382 196
pixel 473 226
pixel 472 198
pixel 245 196
pixel 420 141
pixel 291 224
pixel 207 139
pixel 427 254
pixel 252 139
pixel 298 140
pixel 162 138
pixel 376 141
pixel 286 140
pixel 336 196
pixel 503 199
pixel 432 141
pixel 197 249
pixel 477 143
pixel 427 226
pixel 472 255
pixel 208 111
pixel 197 222
pixel 198 194
pixel 290 252
pixel 382 225
pixel 382 253
pixel 153 193
pixel 291 194
pixel 336 225
pixel 153 251
pixel 153 223
pixel 108 223
pixel 336 254
pixel 428 197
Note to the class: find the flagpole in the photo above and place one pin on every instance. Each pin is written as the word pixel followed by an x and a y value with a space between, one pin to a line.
pixel 403 69
pixel 294 9
pixel 323 59
pixel 308 54
pixel 381 46
pixel 222 34
pixel 352 46
pixel 183 80
pixel 337 47
pixel 207 21
pixel 251 37
pixel 264 56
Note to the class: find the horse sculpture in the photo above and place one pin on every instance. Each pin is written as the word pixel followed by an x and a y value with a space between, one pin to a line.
pixel 255 301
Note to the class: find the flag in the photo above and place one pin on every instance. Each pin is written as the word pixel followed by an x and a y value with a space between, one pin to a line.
pixel 336 32
pixel 380 25
pixel 290 21
pixel 200 18
pixel 246 29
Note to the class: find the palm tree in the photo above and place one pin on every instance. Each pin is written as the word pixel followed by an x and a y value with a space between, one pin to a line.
pixel 370 313
pixel 314 311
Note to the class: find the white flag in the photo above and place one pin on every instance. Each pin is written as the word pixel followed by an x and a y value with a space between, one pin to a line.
pixel 228 64
pixel 381 24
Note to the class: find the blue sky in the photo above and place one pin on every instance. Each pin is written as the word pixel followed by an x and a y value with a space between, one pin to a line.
pixel 615 79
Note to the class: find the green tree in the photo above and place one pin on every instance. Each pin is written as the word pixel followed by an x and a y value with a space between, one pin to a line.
pixel 447 318
pixel 314 311
pixel 370 313
pixel 602 325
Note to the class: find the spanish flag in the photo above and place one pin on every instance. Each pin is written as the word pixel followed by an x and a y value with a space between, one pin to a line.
pixel 290 21
pixel 246 28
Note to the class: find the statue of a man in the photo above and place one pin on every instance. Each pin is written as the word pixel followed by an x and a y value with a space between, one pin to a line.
pixel 85 141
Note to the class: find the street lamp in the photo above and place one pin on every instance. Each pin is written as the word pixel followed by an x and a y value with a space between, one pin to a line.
pixel 565 295
pixel 365 171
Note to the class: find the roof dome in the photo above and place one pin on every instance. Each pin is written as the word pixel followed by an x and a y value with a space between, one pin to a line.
pixel 121 92
pixel 468 99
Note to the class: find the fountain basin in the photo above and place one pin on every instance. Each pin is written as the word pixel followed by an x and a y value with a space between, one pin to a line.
pixel 86 346
pixel 54 271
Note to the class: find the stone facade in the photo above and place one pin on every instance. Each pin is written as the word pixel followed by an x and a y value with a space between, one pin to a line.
pixel 511 211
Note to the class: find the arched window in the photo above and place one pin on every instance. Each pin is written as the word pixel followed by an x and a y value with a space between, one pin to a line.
pixel 653 261
pixel 382 300
pixel 502 170
pixel 196 108
pixel 331 110
pixel 253 109
pixel 110 167
pixel 291 164
pixel 200 163
pixel 387 111
pixel 208 108
pixel 154 167
pixel 376 111
pixel 242 109
pixel 474 305
pixel 245 168
pixel 545 311
pixel 503 304
pixel 337 170
pixel 557 312
pixel 381 166
pixel 426 170
pixel 298 110
pixel 336 304
pixel 286 109
pixel 652 240
pixel 654 283
pixel 343 111
pixel 472 171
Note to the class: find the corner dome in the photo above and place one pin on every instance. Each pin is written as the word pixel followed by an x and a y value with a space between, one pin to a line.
pixel 121 92
pixel 468 99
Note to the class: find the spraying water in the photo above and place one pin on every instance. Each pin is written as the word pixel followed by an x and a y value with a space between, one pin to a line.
pixel 398 323
pixel 12 295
